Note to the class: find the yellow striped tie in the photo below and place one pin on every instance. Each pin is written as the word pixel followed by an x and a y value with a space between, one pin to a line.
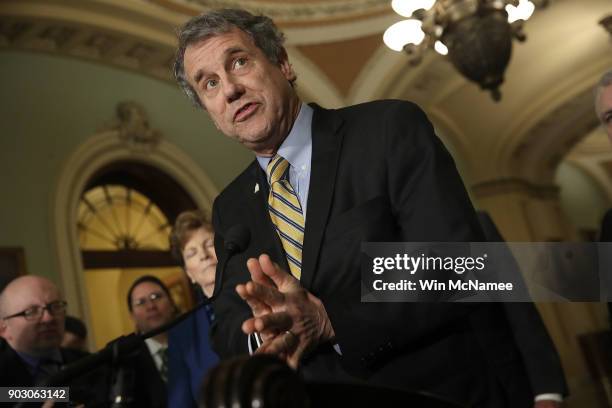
pixel 286 213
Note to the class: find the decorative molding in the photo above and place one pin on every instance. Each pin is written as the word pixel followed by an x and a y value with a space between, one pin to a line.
pixel 132 125
pixel 96 152
pixel 515 140
pixel 515 185
pixel 550 139
pixel 87 42
pixel 287 12
pixel 593 145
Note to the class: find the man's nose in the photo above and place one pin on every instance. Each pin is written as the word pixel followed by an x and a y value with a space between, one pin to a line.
pixel 233 90
pixel 46 316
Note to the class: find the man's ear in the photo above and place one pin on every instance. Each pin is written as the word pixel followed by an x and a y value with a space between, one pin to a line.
pixel 285 66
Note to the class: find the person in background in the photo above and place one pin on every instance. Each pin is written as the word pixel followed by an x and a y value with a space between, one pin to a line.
pixel 75 334
pixel 32 314
pixel 151 306
pixel 603 102
pixel 603 109
pixel 189 351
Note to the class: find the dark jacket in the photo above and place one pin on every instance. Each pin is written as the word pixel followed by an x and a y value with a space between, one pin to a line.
pixel 379 174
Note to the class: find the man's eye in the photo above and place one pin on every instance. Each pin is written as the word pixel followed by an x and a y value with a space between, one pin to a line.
pixel 240 62
pixel 31 311
pixel 211 84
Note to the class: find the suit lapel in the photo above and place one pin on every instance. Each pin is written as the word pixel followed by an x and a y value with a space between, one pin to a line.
pixel 265 234
pixel 326 142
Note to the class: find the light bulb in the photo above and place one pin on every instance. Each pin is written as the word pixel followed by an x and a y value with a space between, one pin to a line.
pixel 402 33
pixel 440 48
pixel 521 12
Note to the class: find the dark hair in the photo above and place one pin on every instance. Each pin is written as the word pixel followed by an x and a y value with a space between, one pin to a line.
pixel 261 29
pixel 76 327
pixel 147 278
pixel 185 224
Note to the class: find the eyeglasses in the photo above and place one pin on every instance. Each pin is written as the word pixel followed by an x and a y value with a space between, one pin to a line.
pixel 152 297
pixel 35 312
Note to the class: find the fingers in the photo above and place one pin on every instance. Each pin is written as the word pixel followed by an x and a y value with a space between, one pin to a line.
pixel 274 322
pixel 282 346
pixel 293 360
pixel 270 296
pixel 268 325
pixel 257 307
pixel 257 274
pixel 278 276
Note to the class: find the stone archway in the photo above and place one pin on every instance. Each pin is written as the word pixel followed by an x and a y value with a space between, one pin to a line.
pixel 126 141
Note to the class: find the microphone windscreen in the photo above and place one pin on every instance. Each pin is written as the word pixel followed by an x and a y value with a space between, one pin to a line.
pixel 237 238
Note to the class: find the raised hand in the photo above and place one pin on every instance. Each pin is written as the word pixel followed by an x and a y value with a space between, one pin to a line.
pixel 291 320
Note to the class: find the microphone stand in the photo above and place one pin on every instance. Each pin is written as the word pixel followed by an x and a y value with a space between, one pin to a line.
pixel 237 238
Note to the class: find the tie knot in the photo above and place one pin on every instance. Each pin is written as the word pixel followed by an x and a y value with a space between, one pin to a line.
pixel 276 169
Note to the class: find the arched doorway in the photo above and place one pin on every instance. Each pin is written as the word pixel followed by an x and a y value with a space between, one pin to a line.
pixel 124 220
pixel 102 159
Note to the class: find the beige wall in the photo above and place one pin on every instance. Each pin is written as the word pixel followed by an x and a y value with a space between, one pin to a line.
pixel 49 106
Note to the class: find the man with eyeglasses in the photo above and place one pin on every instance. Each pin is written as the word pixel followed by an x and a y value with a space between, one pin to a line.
pixel 150 307
pixel 32 313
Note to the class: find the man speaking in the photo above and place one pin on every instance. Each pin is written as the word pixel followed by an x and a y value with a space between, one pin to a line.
pixel 323 182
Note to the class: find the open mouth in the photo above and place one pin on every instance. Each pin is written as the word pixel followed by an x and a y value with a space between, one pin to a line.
pixel 245 112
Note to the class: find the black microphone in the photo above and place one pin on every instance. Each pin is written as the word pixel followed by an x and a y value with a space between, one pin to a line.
pixel 237 239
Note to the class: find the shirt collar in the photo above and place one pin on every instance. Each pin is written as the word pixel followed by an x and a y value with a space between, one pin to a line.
pixel 154 346
pixel 297 146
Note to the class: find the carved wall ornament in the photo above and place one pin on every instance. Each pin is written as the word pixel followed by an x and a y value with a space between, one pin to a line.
pixel 133 127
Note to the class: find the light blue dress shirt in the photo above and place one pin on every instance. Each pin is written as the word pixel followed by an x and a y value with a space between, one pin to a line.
pixel 297 150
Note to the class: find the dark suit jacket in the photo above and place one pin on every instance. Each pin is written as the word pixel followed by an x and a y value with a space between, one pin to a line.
pixel 150 389
pixel 190 356
pixel 90 388
pixel 605 235
pixel 539 354
pixel 379 174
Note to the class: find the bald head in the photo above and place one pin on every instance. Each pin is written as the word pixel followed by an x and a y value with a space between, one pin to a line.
pixel 35 336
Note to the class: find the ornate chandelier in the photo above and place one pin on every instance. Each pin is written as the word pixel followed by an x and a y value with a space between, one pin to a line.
pixel 475 34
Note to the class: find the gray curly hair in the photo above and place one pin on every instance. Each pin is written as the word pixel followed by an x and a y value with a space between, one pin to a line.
pixel 261 29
